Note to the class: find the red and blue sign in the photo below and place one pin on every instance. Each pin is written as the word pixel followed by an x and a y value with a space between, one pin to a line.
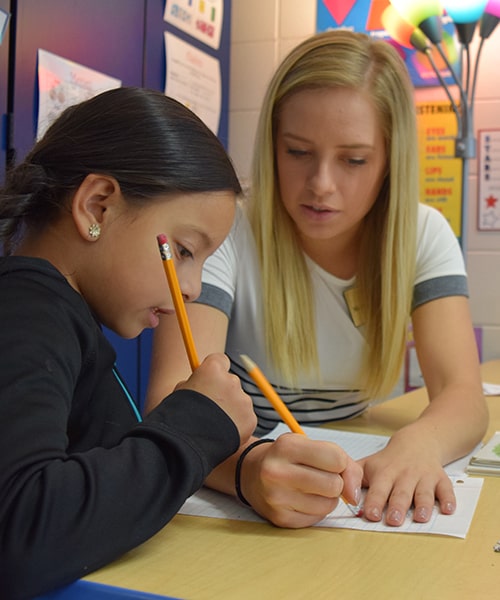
pixel 365 16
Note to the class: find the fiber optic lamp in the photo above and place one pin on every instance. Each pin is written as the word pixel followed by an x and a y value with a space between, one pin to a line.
pixel 418 24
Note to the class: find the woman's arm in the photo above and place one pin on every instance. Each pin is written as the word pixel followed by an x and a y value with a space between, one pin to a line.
pixel 448 357
pixel 410 470
pixel 169 361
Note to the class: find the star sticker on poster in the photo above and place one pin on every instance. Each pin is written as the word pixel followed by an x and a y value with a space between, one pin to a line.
pixel 491 201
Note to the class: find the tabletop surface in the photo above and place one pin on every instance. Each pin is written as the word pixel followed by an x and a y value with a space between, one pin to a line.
pixel 199 558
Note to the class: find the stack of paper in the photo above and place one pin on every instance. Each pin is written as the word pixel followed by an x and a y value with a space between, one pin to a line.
pixel 486 461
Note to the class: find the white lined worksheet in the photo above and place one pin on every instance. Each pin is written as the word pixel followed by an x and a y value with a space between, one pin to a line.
pixel 209 503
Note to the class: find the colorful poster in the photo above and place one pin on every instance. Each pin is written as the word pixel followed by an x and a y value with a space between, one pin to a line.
pixel 62 83
pixel 365 16
pixel 488 180
pixel 201 19
pixel 440 170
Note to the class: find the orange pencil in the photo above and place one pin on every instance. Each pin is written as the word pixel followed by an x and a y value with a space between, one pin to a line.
pixel 180 307
pixel 269 392
pixel 281 408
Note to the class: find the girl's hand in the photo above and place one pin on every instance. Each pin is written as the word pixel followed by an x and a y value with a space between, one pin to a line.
pixel 212 378
pixel 295 482
pixel 406 473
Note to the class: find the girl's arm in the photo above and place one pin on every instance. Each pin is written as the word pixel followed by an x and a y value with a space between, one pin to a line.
pixel 294 482
pixel 410 470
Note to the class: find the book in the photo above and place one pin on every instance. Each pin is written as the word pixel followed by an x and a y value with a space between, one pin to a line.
pixel 486 461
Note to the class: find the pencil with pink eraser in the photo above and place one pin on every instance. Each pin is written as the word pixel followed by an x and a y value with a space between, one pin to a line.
pixel 180 307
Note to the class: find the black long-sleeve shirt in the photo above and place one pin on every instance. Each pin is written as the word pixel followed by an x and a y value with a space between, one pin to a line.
pixel 81 481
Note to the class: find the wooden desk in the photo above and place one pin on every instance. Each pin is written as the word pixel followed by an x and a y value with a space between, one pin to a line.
pixel 200 558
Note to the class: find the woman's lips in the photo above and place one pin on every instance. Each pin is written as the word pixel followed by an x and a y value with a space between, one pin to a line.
pixel 318 213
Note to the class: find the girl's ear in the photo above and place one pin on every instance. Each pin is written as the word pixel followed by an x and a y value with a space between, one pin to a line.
pixel 91 203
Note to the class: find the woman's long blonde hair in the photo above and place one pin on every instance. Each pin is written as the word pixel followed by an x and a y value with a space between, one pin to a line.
pixel 387 255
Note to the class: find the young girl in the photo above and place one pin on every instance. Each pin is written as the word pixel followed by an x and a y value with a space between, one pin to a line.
pixel 320 278
pixel 81 480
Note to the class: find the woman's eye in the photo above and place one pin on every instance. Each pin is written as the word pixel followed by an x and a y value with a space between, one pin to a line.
pixel 356 162
pixel 297 153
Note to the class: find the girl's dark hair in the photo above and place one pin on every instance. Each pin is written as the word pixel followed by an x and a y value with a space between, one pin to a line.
pixel 150 143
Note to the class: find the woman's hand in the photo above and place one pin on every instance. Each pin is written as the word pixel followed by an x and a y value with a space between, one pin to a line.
pixel 406 473
pixel 295 482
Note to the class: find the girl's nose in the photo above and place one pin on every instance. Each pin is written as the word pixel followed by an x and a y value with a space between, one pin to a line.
pixel 191 288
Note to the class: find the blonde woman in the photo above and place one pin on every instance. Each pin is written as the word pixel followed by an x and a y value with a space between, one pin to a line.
pixel 323 272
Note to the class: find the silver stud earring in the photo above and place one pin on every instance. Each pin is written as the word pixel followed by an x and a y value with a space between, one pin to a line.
pixel 94 231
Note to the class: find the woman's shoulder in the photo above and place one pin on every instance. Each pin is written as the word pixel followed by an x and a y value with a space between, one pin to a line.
pixel 241 224
pixel 433 226
pixel 438 249
pixel 429 216
pixel 240 242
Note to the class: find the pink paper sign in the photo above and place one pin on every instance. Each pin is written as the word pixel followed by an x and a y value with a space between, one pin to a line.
pixel 339 9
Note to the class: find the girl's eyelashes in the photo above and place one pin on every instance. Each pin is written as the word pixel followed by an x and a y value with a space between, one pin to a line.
pixel 183 252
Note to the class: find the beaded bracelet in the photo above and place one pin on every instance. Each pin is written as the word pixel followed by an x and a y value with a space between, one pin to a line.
pixel 237 475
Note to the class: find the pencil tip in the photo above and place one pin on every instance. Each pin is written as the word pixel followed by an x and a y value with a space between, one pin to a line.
pixel 247 361
pixel 356 510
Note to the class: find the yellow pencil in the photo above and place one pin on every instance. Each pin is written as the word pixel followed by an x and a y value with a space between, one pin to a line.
pixel 180 307
pixel 281 408
pixel 269 392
